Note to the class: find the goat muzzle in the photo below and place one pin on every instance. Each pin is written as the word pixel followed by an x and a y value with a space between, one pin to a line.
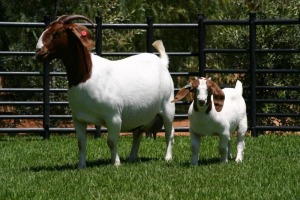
pixel 201 102
pixel 41 54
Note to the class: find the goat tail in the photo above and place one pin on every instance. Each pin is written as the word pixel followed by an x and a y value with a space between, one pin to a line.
pixel 239 87
pixel 159 46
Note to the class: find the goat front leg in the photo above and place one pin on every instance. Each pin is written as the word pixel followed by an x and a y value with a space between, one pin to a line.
pixel 81 137
pixel 229 149
pixel 137 135
pixel 195 143
pixel 223 147
pixel 113 129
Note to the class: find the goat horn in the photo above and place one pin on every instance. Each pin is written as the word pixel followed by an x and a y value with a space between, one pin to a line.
pixel 61 17
pixel 66 19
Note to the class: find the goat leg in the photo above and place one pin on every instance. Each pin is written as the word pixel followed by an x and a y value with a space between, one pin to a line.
pixel 195 140
pixel 81 136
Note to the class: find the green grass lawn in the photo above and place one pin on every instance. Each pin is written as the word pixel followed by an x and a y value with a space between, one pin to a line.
pixel 31 168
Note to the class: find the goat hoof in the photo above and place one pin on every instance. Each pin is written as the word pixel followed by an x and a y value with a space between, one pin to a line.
pixel 224 160
pixel 116 164
pixel 133 159
pixel 168 158
pixel 81 166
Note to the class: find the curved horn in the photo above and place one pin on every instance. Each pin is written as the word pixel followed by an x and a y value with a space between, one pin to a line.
pixel 61 17
pixel 66 19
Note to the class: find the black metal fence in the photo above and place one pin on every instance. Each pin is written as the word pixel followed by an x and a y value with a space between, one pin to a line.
pixel 201 54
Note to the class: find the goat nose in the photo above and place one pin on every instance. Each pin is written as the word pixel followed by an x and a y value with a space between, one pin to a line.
pixel 201 102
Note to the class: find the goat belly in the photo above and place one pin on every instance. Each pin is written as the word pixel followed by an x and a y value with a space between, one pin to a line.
pixel 98 109
pixel 142 119
pixel 154 126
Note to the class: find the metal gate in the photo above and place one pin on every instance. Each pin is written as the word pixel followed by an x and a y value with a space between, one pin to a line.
pixel 252 23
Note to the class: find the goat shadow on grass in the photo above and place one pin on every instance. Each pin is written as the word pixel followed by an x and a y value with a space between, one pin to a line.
pixel 70 166
pixel 204 162
pixel 209 161
pixel 89 164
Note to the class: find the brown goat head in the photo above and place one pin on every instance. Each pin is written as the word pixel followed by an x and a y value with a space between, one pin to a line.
pixel 202 89
pixel 56 39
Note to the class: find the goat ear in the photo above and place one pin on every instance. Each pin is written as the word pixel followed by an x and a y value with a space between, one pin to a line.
pixel 182 93
pixel 84 35
pixel 218 95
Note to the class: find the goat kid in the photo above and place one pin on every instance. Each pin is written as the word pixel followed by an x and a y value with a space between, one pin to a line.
pixel 132 94
pixel 216 112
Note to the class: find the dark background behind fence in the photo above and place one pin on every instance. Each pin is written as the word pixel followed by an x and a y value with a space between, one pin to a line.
pixel 251 88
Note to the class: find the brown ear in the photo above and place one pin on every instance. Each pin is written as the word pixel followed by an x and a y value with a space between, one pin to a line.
pixel 84 35
pixel 182 93
pixel 218 95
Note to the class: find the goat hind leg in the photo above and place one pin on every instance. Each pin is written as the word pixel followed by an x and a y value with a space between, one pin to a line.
pixel 169 141
pixel 240 148
pixel 241 142
pixel 137 135
pixel 169 135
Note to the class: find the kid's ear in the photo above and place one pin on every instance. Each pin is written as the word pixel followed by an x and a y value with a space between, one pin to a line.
pixel 182 93
pixel 218 95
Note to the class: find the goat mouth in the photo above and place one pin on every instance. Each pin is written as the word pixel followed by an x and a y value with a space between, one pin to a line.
pixel 39 55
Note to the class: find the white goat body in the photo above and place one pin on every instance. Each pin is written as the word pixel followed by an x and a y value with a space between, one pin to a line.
pixel 132 94
pixel 124 95
pixel 205 119
pixel 135 89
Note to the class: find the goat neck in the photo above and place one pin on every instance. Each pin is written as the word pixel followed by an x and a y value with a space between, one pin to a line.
pixel 77 60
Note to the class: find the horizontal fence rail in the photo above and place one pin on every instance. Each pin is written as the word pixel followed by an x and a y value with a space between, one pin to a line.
pixel 252 102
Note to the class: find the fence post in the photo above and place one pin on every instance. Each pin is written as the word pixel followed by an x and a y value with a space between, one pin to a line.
pixel 201 45
pixel 99 36
pixel 252 71
pixel 150 50
pixel 46 93
pixel 149 34
pixel 98 52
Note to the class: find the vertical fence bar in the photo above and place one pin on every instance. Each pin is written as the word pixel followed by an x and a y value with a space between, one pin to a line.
pixel 201 45
pixel 99 36
pixel 150 50
pixel 252 72
pixel 98 52
pixel 149 34
pixel 46 92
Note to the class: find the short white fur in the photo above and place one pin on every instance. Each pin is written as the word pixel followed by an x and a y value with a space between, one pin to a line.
pixel 123 95
pixel 231 118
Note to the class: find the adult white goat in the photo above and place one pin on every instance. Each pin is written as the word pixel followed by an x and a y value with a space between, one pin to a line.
pixel 225 115
pixel 132 94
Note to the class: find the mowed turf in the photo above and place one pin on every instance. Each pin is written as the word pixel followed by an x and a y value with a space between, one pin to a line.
pixel 32 168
